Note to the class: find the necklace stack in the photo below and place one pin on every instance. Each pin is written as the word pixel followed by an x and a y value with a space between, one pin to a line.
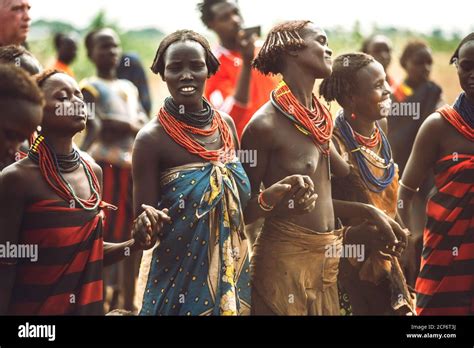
pixel 362 148
pixel 52 166
pixel 315 123
pixel 184 134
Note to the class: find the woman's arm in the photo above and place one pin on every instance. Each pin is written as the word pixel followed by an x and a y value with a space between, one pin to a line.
pixel 12 198
pixel 142 231
pixel 378 229
pixel 425 152
pixel 146 187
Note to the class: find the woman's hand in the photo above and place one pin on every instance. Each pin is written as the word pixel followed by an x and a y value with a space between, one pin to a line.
pixel 293 195
pixel 380 232
pixel 391 231
pixel 148 225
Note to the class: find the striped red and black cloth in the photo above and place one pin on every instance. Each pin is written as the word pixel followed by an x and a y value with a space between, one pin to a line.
pixel 445 285
pixel 118 190
pixel 66 279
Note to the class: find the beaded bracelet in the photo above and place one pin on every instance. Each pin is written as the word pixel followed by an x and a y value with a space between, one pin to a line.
pixel 264 206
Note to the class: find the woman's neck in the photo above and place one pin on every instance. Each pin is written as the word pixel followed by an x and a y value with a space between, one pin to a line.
pixel 360 124
pixel 301 87
pixel 194 107
pixel 60 144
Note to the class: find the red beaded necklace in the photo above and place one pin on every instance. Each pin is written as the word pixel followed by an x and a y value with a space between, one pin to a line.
pixel 49 168
pixel 369 142
pixel 177 130
pixel 317 123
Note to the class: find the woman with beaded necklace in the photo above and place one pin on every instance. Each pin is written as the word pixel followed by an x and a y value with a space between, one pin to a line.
pixel 185 162
pixel 445 146
pixel 291 274
pixel 358 83
pixel 52 199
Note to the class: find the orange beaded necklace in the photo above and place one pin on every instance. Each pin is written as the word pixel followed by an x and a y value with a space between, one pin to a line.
pixel 178 131
pixel 316 123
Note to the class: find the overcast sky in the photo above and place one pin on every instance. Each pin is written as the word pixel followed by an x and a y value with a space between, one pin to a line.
pixel 169 15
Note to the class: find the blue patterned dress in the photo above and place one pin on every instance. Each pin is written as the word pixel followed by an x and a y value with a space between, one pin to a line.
pixel 200 266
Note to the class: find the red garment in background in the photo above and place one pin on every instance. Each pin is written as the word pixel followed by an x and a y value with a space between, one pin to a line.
pixel 221 87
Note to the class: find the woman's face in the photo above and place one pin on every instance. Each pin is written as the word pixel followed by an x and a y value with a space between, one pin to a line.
pixel 381 49
pixel 419 65
pixel 372 98
pixel 185 73
pixel 106 50
pixel 465 66
pixel 316 56
pixel 65 110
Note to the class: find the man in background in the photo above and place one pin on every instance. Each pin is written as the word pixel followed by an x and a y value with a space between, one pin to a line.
pixel 15 21
pixel 236 88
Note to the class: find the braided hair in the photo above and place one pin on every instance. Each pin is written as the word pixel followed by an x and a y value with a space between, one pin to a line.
pixel 158 66
pixel 283 38
pixel 343 80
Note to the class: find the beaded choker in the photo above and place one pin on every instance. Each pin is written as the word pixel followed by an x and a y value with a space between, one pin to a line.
pixel 196 119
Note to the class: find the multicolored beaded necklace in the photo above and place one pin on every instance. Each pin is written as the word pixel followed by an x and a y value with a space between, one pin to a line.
pixel 364 155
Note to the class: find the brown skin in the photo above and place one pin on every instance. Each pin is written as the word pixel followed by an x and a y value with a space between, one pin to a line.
pixel 105 54
pixel 154 150
pixel 15 19
pixel 435 140
pixel 372 88
pixel 67 50
pixel 30 64
pixel 22 183
pixel 27 62
pixel 380 48
pixel 227 24
pixel 418 67
pixel 283 151
pixel 19 119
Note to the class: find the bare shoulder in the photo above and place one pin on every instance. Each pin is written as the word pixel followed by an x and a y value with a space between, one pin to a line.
pixel 97 169
pixel 434 123
pixel 230 122
pixel 263 121
pixel 227 118
pixel 16 178
pixel 150 134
